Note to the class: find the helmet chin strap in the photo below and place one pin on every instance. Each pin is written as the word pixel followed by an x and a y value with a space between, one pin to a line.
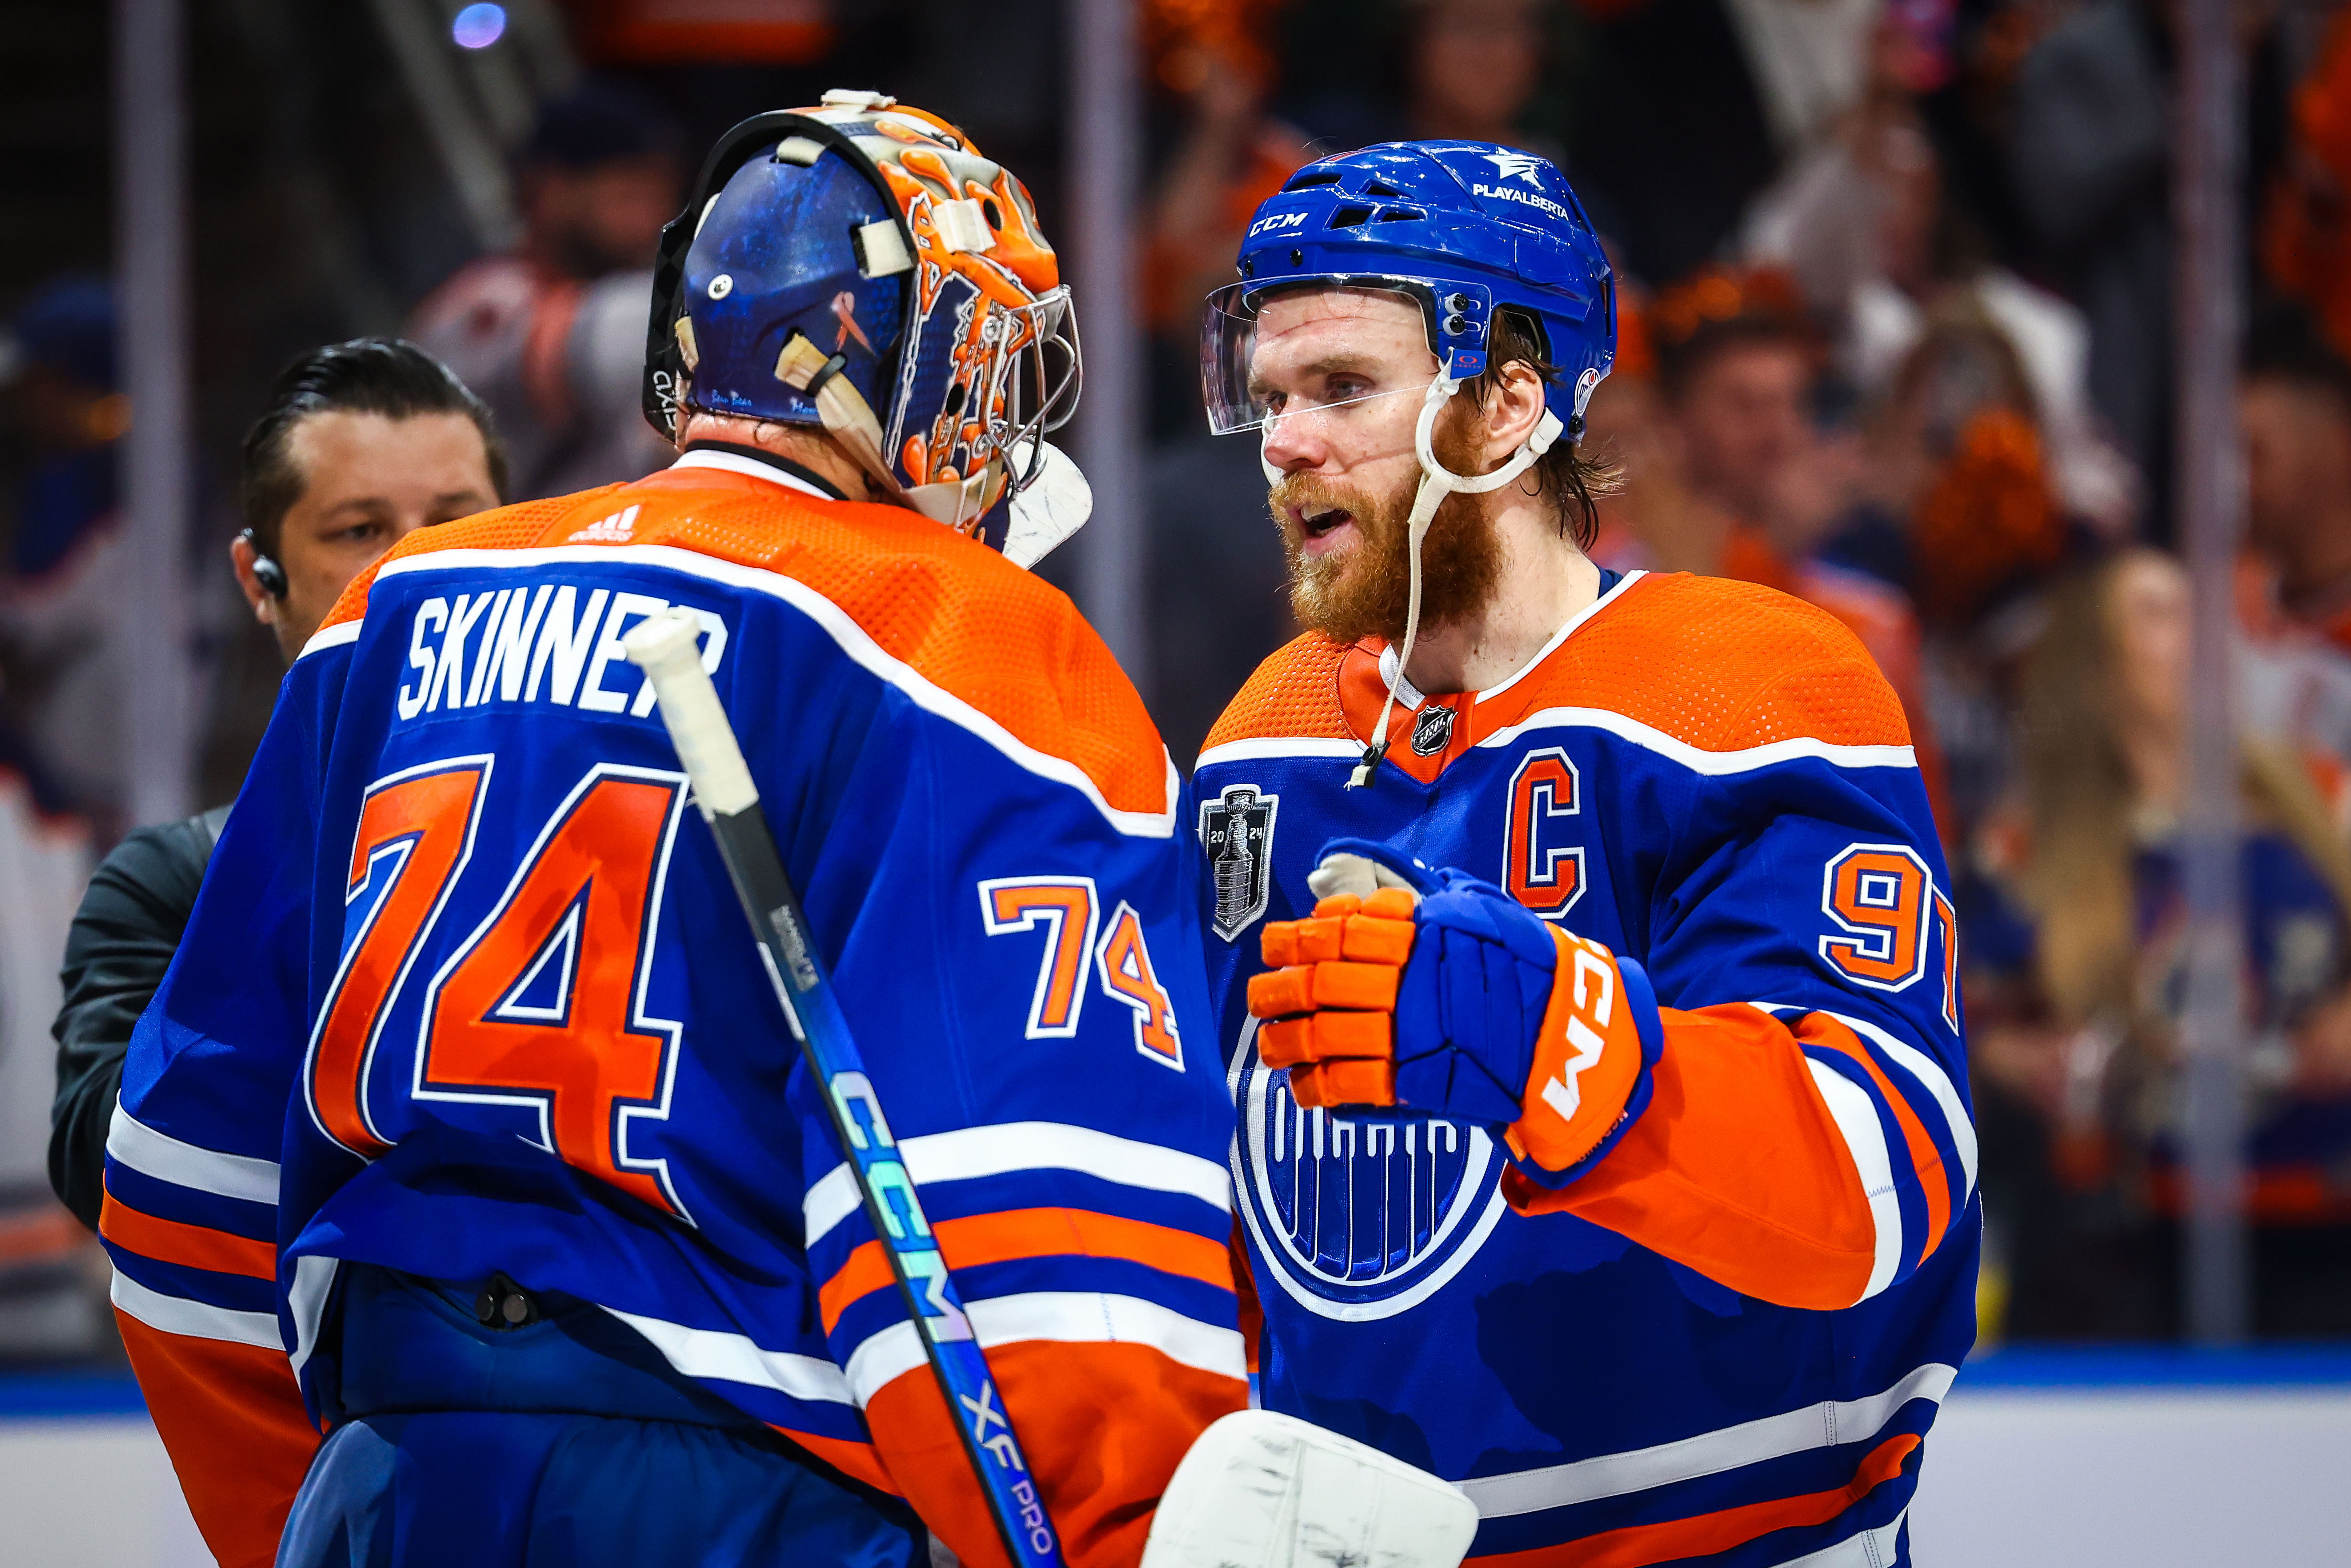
pixel 1437 482
pixel 848 418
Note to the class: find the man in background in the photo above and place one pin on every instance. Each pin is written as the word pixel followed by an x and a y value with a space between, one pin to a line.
pixel 361 444
pixel 2295 406
pixel 61 570
pixel 552 333
pixel 1737 367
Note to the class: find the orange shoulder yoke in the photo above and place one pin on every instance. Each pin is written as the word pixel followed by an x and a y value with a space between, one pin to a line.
pixel 1294 692
pixel 1719 664
pixel 517 527
pixel 1007 643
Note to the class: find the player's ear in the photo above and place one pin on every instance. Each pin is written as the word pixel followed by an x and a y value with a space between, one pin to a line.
pixel 1513 408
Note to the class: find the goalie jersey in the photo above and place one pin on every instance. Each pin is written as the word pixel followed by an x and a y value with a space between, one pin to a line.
pixel 1726 1339
pixel 467 992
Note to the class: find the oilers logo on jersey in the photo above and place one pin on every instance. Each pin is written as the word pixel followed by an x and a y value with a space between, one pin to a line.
pixel 1362 1217
pixel 1237 831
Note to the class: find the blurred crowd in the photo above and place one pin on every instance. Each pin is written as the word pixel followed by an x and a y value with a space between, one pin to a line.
pixel 1896 314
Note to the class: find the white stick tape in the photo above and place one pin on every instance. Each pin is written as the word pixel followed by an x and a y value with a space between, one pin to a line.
pixel 664 647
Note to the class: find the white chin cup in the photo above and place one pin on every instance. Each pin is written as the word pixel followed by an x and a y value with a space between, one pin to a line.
pixel 1051 507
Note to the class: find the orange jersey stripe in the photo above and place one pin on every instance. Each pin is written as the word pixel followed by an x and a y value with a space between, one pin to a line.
pixel 980 1239
pixel 232 1417
pixel 1737 1168
pixel 1819 1029
pixel 1102 1425
pixel 194 1246
pixel 856 1459
pixel 1008 644
pixel 1704 1534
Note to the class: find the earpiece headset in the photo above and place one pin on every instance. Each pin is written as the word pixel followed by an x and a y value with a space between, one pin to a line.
pixel 268 572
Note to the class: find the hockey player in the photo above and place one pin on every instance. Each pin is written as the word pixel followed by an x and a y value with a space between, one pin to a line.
pixel 466 1129
pixel 1583 954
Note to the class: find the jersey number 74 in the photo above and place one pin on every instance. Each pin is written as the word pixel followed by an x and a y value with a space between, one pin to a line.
pixel 542 1006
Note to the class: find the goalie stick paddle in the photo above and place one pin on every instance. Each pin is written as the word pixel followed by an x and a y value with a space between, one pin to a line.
pixel 664 646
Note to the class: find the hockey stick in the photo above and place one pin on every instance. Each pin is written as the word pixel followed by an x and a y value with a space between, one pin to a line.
pixel 664 645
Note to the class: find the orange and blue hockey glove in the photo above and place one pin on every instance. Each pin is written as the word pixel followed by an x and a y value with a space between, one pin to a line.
pixel 1431 991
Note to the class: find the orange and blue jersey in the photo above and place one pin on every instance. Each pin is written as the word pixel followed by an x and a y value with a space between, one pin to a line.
pixel 467 991
pixel 1726 1337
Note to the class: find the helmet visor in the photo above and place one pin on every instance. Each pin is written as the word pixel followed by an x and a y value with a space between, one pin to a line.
pixel 1246 391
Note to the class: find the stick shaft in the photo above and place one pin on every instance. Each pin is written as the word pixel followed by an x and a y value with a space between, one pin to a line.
pixel 713 761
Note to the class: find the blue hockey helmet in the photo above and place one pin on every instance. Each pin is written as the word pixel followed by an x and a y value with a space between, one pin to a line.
pixel 858 266
pixel 1465 228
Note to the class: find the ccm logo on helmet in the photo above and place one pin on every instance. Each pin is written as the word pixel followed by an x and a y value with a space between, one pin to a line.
pixel 1279 221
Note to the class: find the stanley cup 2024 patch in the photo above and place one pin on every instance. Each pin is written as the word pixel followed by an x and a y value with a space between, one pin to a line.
pixel 1236 833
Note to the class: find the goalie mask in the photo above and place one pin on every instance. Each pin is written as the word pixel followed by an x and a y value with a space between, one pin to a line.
pixel 860 267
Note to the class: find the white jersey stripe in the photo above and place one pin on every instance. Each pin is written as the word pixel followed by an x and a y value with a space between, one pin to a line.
pixel 1712 763
pixel 968 1153
pixel 166 1159
pixel 1263 746
pixel 340 634
pixel 1823 1425
pixel 1697 760
pixel 1069 1316
pixel 195 1320
pixel 1863 1548
pixel 1865 1139
pixel 1925 1069
pixel 852 639
pixel 734 1358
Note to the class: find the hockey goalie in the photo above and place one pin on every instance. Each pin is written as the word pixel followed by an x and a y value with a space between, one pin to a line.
pixel 469 1200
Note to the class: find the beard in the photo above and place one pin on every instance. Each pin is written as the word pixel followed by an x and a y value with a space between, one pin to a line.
pixel 1366 590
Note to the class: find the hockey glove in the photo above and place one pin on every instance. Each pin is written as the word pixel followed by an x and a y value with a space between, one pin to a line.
pixel 1434 991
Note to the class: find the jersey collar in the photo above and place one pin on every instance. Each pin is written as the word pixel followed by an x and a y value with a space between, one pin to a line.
pixel 1364 672
pixel 754 464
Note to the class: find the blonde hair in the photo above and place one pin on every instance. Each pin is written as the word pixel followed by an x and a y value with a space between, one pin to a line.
pixel 2081 801
pixel 2079 795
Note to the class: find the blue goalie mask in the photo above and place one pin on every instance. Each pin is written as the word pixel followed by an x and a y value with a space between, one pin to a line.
pixel 860 267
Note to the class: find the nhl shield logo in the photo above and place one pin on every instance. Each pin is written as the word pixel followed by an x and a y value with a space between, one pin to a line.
pixel 1236 833
pixel 1432 729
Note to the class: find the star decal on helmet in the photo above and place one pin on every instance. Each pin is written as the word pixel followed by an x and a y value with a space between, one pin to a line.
pixel 1515 166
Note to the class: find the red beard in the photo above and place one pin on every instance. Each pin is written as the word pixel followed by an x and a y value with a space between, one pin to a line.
pixel 1364 592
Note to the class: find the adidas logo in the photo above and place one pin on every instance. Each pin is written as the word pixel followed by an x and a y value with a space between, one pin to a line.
pixel 612 530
